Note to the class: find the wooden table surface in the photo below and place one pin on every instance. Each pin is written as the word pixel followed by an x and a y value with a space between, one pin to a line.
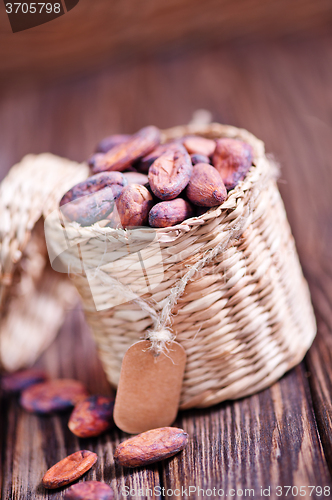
pixel 282 92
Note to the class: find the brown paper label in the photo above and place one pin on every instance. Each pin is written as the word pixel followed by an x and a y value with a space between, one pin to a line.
pixel 149 389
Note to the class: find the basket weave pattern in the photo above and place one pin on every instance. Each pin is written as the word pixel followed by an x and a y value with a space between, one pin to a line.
pixel 244 318
pixel 33 298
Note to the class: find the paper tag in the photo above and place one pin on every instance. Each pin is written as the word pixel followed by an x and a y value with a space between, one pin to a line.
pixel 149 388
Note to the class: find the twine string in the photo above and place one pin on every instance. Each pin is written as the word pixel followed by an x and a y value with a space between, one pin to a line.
pixel 161 333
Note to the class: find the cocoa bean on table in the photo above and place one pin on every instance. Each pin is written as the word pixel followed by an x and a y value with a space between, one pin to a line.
pixel 92 416
pixel 69 469
pixel 89 490
pixel 151 446
pixel 20 380
pixel 53 395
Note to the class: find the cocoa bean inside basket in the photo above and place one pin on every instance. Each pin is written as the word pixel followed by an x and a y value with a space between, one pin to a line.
pixel 170 173
pixel 170 177
pixel 232 158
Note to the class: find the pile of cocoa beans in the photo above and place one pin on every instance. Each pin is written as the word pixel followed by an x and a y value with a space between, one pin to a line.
pixel 91 416
pixel 138 181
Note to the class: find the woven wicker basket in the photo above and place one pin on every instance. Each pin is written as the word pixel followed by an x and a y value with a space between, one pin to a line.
pixel 33 298
pixel 239 304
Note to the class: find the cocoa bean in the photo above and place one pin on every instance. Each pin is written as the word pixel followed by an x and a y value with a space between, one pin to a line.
pixel 170 173
pixel 206 188
pixel 199 159
pixel 151 446
pixel 232 158
pixel 135 178
pixel 92 416
pixel 53 395
pixel 116 190
pixel 93 184
pixel 109 142
pixel 89 490
pixel 18 381
pixel 69 469
pixel 123 155
pixel 199 145
pixel 145 163
pixel 94 207
pixel 133 205
pixel 170 213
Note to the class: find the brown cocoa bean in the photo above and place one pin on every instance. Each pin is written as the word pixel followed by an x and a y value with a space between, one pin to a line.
pixel 109 142
pixel 133 205
pixel 170 213
pixel 116 190
pixel 93 184
pixel 232 158
pixel 89 490
pixel 123 155
pixel 92 416
pixel 135 178
pixel 206 188
pixel 199 159
pixel 170 173
pixel 199 145
pixel 18 381
pixel 145 163
pixel 53 395
pixel 69 469
pixel 151 446
pixel 94 207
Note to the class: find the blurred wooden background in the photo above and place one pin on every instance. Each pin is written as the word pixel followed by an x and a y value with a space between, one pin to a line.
pixel 97 32
pixel 278 86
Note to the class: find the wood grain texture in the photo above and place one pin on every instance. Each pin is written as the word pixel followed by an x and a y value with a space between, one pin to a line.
pixel 282 93
pixel 95 32
pixel 33 444
pixel 264 441
pixel 319 358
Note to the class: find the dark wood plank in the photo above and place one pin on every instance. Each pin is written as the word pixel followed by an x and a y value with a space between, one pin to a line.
pixel 265 441
pixel 93 33
pixel 33 443
pixel 319 358
pixel 281 92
